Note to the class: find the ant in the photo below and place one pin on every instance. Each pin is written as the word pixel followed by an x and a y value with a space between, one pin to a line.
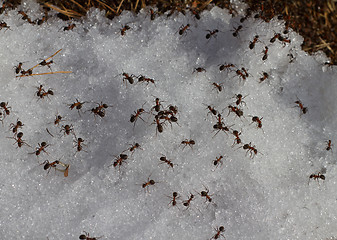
pixel 148 183
pixel 128 77
pixel 226 66
pixel 239 99
pixel 87 237
pixel 14 127
pixel 40 148
pixel 137 114
pixel 236 30
pixel 157 106
pixel 217 86
pixel 217 162
pixel 187 202
pixel 237 140
pixel 124 29
pixel 44 63
pixel 188 142
pixel 67 129
pixel 277 35
pixel 78 105
pixel 212 33
pixel 264 77
pixel 257 120
pixel 159 127
pixel 48 165
pixel 153 14
pixel 199 69
pixel 6 109
pixel 147 80
pixel 265 52
pixel 78 142
pixel 245 71
pixel 100 109
pixel 69 27
pixel 19 140
pixel 18 68
pixel 212 110
pixel 4 25
pixel 252 43
pixel 168 162
pixel 240 74
pixel 304 110
pixel 58 119
pixel 45 94
pixel 251 149
pixel 133 148
pixel 26 73
pixel 236 110
pixel 173 109
pixel 119 160
pixel 220 126
pixel 174 197
pixel 205 194
pixel 39 91
pixel 183 29
pixel 219 233
pixel 329 145
pixel 316 177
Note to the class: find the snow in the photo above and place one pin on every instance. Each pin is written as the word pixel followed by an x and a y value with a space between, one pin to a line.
pixel 262 196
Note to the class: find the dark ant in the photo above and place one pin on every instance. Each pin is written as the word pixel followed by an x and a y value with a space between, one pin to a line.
pixel 217 86
pixel 239 99
pixel 19 140
pixel 39 91
pixel 78 105
pixel 199 69
pixel 67 129
pixel 284 40
pixel 128 77
pixel 147 80
pixel 165 160
pixel 183 29
pixel 87 237
pixel 265 52
pixel 45 63
pixel 69 27
pixel 157 106
pixel 26 73
pixel 245 71
pixel 174 197
pixel 304 110
pixel 217 162
pixel 14 127
pixel 218 233
pixel 252 43
pixel 6 109
pixel 205 194
pixel 137 114
pixel 153 14
pixel 78 142
pixel 159 127
pixel 237 140
pixel 212 33
pixel 240 74
pixel 40 148
pixel 226 66
pixel 236 30
pixel 173 109
pixel 4 25
pixel 236 110
pixel 100 109
pixel 188 142
pixel 124 29
pixel 58 119
pixel 264 77
pixel 212 110
pixel 48 165
pixel 187 202
pixel 277 35
pixel 45 94
pixel 18 68
pixel 221 127
pixel 258 121
pixel 133 148
pixel 317 177
pixel 195 13
pixel 119 160
pixel 148 183
pixel 329 145
pixel 251 149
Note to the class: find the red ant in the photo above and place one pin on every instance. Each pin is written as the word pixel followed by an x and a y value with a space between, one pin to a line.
pixel 239 99
pixel 252 43
pixel 69 27
pixel 26 73
pixel 19 140
pixel 173 109
pixel 212 110
pixel 183 29
pixel 317 177
pixel 119 160
pixel 251 149
pixel 78 142
pixel 18 68
pixel 174 197
pixel 236 30
pixel 147 80
pixel 219 233
pixel 199 69
pixel 245 71
pixel 217 86
pixel 157 106
pixel 133 148
pixel 67 129
pixel 277 35
pixel 44 63
pixel 264 77
pixel 124 29
pixel 153 14
pixel 100 109
pixel 329 145
pixel 257 120
pixel 137 114
pixel 6 109
pixel 78 105
pixel 212 33
pixel 128 77
pixel 40 148
pixel 168 162
pixel 237 140
pixel 14 127
pixel 304 110
pixel 265 52
pixel 205 194
pixel 87 237
pixel 148 183
pixel 159 127
pixel 187 202
pixel 236 110
pixel 188 142
pixel 58 119
pixel 240 74
pixel 226 66
pixel 45 94
pixel 217 162
pixel 4 25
